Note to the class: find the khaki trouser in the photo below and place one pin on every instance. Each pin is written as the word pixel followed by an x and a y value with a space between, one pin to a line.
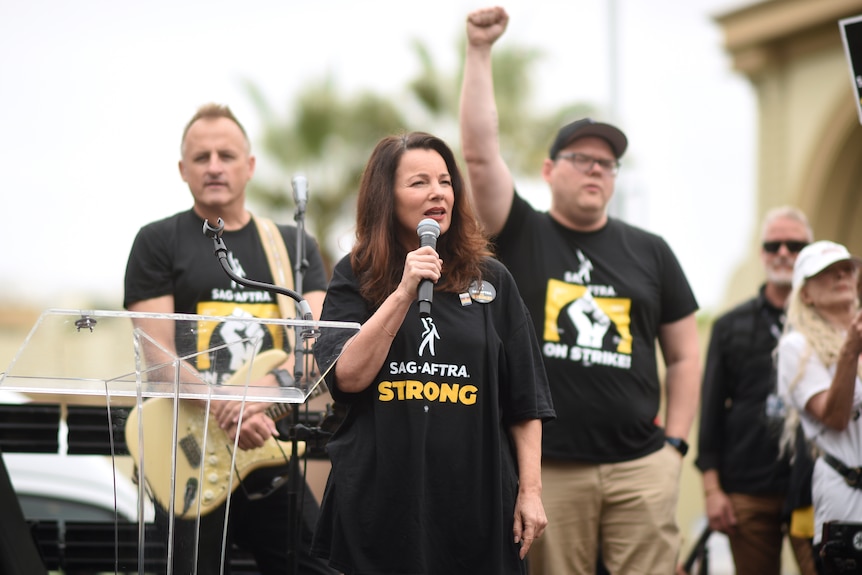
pixel 628 508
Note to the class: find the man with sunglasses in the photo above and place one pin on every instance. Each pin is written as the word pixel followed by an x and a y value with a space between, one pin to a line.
pixel 745 482
pixel 601 294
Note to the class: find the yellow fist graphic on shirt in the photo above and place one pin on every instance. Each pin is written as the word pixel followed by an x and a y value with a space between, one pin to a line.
pixel 579 324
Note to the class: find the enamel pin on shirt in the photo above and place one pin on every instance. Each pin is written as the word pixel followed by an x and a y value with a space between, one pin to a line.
pixel 483 293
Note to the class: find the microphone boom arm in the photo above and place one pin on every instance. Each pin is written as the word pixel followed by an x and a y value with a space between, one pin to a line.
pixel 220 251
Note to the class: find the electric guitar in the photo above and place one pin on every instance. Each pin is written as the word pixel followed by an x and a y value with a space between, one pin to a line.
pixel 193 496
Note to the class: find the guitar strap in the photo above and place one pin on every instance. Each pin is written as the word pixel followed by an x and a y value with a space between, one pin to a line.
pixel 279 266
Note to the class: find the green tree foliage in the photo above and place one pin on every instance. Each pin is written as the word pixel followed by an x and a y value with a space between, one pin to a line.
pixel 327 135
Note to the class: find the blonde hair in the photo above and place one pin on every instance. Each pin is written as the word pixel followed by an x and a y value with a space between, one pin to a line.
pixel 823 338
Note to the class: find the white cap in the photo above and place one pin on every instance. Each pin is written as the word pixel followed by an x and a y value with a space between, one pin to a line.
pixel 816 257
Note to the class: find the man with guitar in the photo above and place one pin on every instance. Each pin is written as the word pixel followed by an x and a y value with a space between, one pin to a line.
pixel 171 269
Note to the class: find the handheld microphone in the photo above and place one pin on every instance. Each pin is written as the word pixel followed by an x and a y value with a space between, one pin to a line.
pixel 300 192
pixel 429 231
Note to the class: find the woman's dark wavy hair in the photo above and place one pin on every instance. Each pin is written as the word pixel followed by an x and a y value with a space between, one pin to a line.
pixel 378 257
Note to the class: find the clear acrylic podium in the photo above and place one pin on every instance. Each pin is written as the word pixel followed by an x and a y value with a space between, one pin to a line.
pixel 164 442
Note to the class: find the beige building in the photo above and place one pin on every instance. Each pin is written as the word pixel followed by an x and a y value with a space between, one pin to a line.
pixel 809 151
pixel 810 137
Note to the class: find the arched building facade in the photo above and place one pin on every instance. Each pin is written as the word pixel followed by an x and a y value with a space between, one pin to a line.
pixel 810 137
pixel 809 149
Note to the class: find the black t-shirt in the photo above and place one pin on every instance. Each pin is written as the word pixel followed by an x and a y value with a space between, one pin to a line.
pixel 597 300
pixel 173 257
pixel 424 477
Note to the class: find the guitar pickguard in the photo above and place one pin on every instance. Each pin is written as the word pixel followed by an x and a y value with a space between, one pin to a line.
pixel 203 463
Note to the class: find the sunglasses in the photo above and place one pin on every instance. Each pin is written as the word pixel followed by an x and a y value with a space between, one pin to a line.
pixel 793 247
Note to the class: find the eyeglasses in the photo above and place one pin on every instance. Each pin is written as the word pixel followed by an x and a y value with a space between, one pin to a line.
pixel 793 247
pixel 584 163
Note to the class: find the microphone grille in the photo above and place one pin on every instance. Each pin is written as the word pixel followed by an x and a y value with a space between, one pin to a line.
pixel 428 227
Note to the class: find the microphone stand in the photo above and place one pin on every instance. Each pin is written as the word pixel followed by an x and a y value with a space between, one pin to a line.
pixel 699 554
pixel 303 335
pixel 296 492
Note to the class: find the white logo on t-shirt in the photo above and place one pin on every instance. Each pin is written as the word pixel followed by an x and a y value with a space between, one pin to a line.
pixel 237 269
pixel 582 276
pixel 590 320
pixel 429 334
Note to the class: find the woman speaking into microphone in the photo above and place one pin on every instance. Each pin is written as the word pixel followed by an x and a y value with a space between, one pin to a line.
pixel 436 467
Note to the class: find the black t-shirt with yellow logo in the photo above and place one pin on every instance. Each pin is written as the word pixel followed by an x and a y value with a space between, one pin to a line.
pixel 173 257
pixel 424 477
pixel 598 300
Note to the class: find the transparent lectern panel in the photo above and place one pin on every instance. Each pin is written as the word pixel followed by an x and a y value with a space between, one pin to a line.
pixel 81 352
pixel 149 409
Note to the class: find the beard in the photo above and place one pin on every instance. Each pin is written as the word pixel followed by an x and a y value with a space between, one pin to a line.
pixel 780 272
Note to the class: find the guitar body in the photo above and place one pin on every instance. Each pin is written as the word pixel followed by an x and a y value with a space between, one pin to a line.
pixel 203 463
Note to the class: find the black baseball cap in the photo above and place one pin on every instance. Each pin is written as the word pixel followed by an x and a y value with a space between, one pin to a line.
pixel 589 127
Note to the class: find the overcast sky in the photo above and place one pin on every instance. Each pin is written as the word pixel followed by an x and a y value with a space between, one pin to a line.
pixel 95 94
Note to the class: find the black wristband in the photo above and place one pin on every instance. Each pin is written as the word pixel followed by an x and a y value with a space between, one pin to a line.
pixel 679 444
pixel 283 377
